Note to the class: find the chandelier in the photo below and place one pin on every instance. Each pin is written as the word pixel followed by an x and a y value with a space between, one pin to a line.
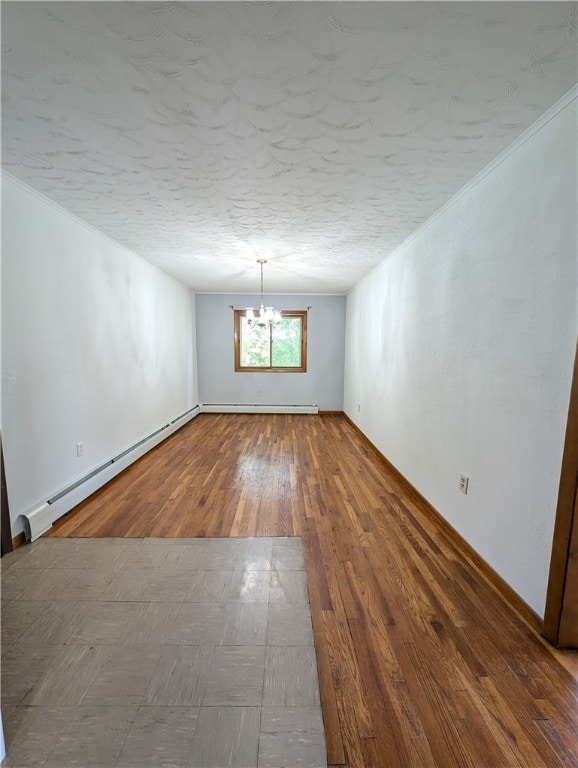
pixel 267 316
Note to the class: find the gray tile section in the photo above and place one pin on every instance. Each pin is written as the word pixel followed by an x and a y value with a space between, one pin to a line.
pixel 285 558
pixel 160 737
pixel 236 677
pixel 213 561
pixel 248 587
pixel 162 585
pixel 69 674
pixel 180 677
pixel 124 676
pixel 10 559
pixel 23 670
pixel 292 737
pixel 227 737
pixel 100 623
pixel 55 624
pixel 32 733
pixel 151 623
pixel 256 557
pixel 198 624
pixel 291 677
pixel 93 738
pixel 289 625
pixel 208 587
pixel 73 584
pixel 176 653
pixel 18 617
pixel 22 584
pixel 289 587
pixel 244 624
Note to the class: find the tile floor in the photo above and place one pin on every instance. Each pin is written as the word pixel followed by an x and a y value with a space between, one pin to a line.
pixel 159 653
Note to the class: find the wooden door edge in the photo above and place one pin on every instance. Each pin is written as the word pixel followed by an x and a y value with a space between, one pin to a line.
pixel 564 519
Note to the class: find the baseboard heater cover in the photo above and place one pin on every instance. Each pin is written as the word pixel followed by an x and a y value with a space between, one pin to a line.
pixel 40 518
pixel 254 408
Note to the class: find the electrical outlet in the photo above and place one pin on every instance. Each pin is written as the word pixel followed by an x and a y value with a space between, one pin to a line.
pixel 463 484
pixel 80 449
pixel 358 408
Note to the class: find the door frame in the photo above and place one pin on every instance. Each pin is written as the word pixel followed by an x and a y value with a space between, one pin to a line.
pixel 565 520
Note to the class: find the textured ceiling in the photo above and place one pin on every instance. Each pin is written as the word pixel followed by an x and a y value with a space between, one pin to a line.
pixel 203 136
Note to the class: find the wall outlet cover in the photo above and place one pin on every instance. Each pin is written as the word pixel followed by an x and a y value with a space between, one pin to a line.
pixel 463 484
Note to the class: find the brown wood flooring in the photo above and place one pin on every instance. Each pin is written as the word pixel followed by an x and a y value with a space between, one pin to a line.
pixel 421 663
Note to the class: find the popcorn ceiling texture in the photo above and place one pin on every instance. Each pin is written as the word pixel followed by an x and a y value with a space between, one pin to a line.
pixel 317 135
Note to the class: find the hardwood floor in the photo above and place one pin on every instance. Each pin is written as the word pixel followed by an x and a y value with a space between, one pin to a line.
pixel 421 662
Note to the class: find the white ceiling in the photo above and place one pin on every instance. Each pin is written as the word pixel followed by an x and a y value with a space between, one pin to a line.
pixel 203 136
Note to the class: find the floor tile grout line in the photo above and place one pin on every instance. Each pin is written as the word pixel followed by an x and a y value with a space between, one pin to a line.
pixel 260 731
pixel 126 738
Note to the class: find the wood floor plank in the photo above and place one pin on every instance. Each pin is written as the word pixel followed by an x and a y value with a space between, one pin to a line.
pixel 421 662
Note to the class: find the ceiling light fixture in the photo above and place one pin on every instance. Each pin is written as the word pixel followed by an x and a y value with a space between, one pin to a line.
pixel 266 316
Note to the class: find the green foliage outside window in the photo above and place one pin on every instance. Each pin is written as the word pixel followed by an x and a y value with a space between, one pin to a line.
pixel 255 346
pixel 278 347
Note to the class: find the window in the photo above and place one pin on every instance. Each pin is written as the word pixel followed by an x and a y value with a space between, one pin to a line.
pixel 281 348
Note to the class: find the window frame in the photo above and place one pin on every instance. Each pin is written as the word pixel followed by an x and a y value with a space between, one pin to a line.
pixel 302 314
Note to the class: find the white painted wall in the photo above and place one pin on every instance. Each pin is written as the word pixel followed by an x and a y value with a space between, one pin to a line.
pixel 97 347
pixel 459 353
pixel 2 744
pixel 321 385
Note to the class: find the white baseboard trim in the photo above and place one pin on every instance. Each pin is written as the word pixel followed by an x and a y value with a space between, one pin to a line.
pixel 41 517
pixel 254 408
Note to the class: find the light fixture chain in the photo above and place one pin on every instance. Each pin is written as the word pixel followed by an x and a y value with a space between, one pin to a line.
pixel 267 317
pixel 262 302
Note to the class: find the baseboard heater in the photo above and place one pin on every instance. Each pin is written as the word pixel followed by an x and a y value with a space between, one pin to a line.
pixel 39 519
pixel 254 408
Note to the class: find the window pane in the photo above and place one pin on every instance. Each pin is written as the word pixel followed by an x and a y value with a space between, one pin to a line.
pixel 287 343
pixel 255 348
